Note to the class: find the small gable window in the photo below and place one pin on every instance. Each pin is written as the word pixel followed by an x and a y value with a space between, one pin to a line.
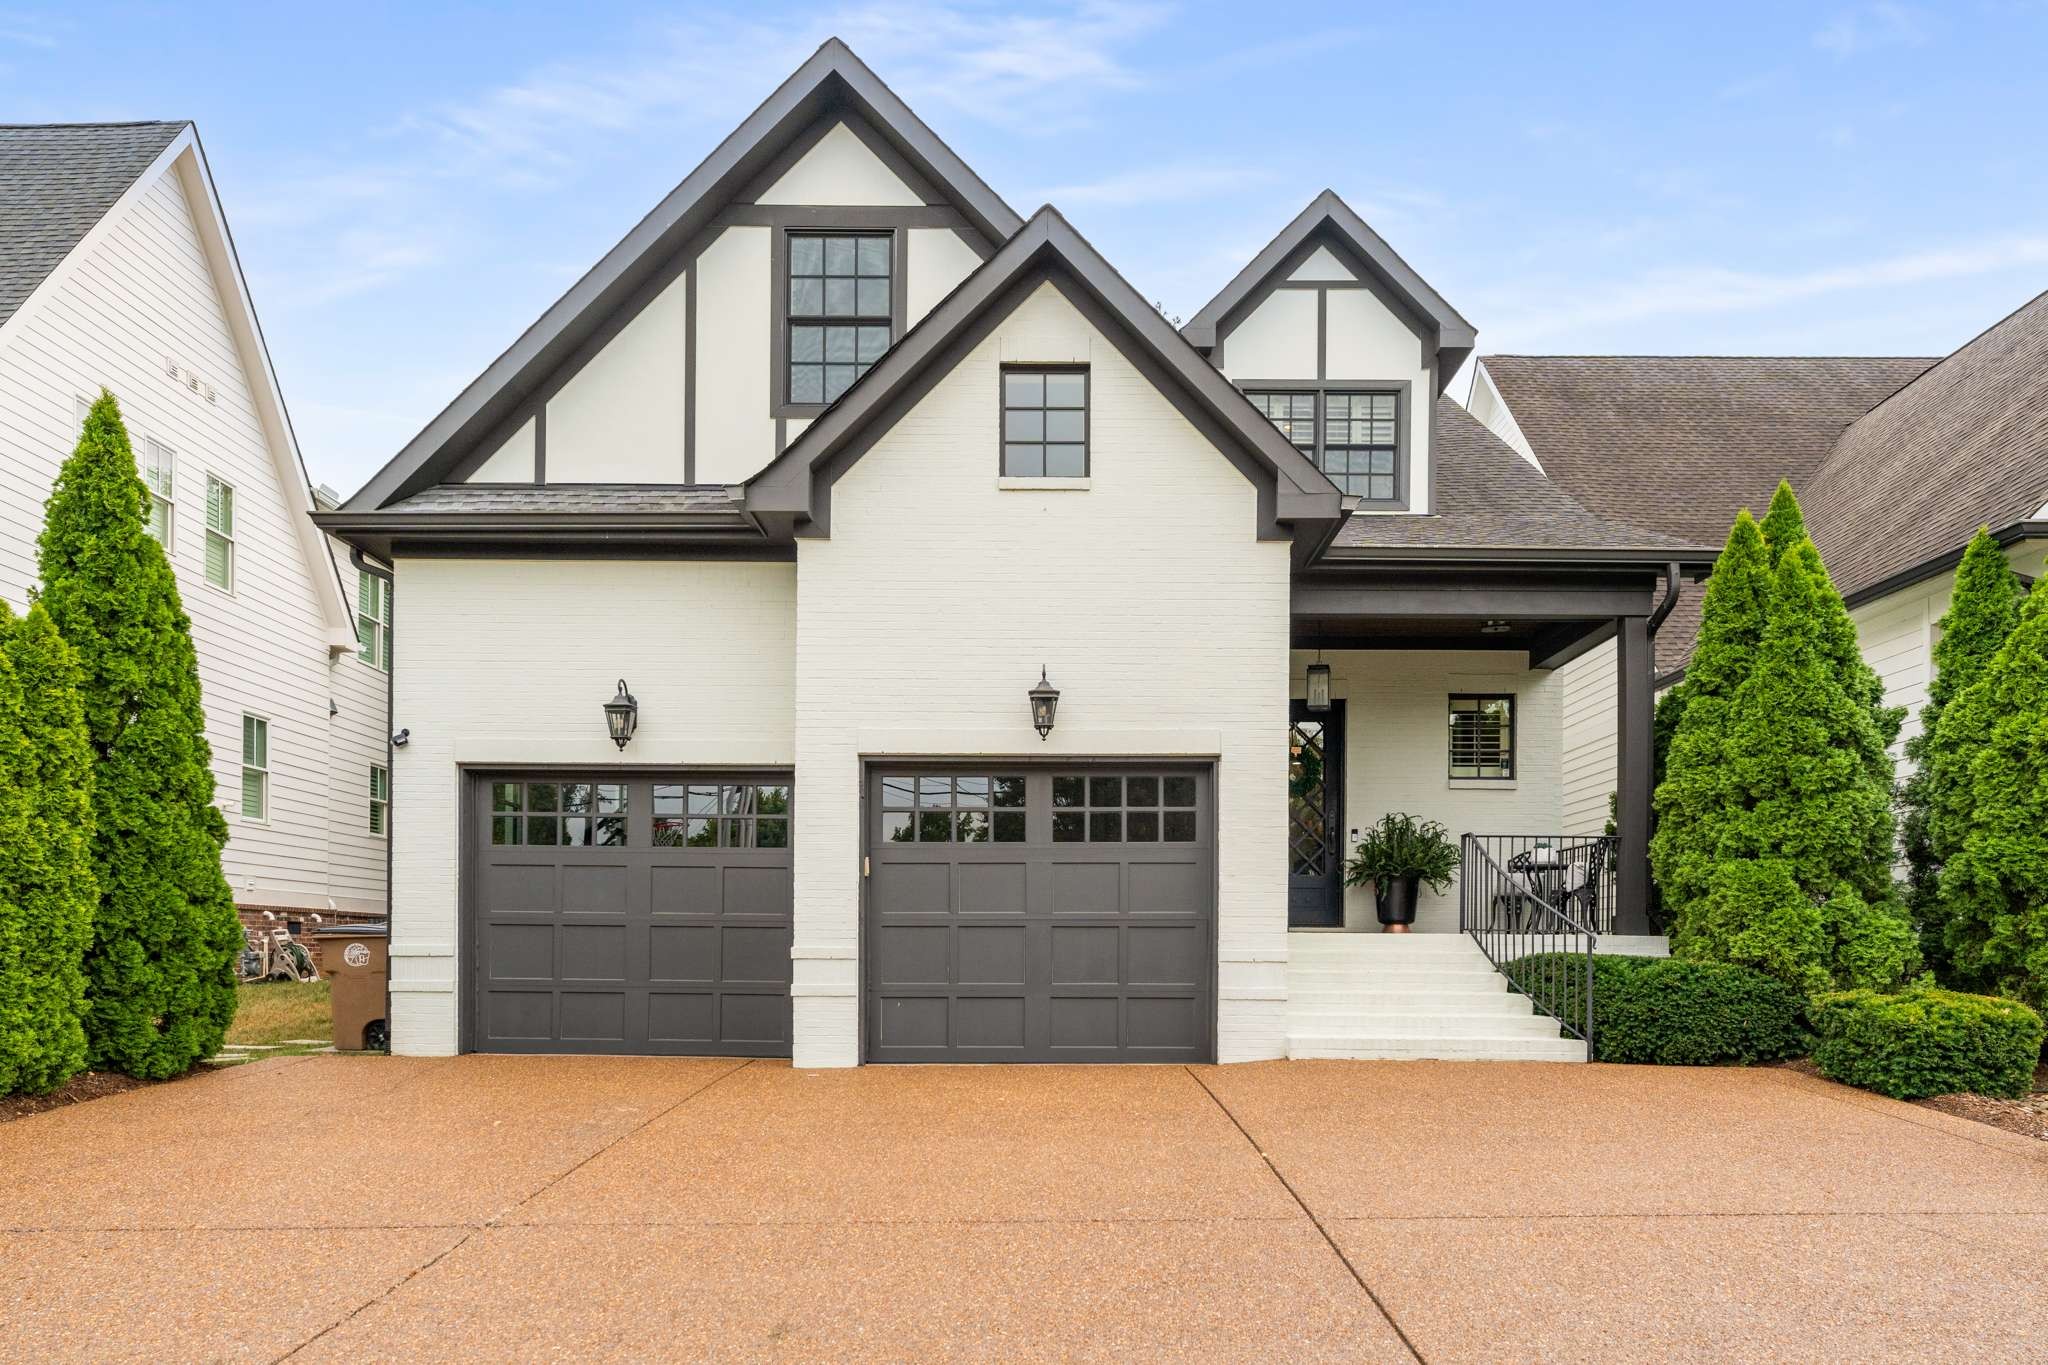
pixel 1353 436
pixel 839 315
pixel 1045 421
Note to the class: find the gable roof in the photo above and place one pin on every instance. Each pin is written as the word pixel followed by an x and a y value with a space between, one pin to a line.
pixel 1962 446
pixel 832 80
pixel 1490 500
pixel 57 181
pixel 796 486
pixel 1329 219
pixel 1679 444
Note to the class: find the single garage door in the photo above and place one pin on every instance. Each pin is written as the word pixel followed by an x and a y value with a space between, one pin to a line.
pixel 630 912
pixel 1025 915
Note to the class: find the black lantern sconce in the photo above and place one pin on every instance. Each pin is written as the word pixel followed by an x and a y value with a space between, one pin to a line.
pixel 1316 689
pixel 1045 704
pixel 622 716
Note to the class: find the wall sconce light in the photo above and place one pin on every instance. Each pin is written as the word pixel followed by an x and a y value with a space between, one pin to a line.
pixel 1045 704
pixel 622 716
pixel 1317 688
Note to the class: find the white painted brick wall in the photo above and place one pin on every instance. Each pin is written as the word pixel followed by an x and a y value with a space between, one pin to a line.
pixel 1161 617
pixel 508 662
pixel 1396 751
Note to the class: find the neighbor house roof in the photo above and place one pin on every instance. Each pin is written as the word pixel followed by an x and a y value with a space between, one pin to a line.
pixel 1487 498
pixel 1964 445
pixel 57 180
pixel 832 81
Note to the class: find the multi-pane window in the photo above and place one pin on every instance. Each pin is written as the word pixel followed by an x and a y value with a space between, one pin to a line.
pixel 380 799
pixel 1353 437
pixel 721 815
pixel 1483 737
pixel 1107 809
pixel 159 472
pixel 373 620
pixel 1045 423
pixel 220 534
pixel 929 808
pixel 255 768
pixel 1359 447
pixel 839 311
pixel 580 814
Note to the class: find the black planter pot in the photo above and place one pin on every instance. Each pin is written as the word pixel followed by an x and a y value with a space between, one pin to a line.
pixel 1394 901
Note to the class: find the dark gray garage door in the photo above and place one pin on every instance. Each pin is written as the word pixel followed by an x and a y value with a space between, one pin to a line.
pixel 1025 915
pixel 614 912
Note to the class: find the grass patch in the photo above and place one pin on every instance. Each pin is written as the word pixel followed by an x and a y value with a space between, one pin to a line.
pixel 274 1012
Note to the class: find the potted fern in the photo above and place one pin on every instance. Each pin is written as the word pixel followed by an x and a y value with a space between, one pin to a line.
pixel 1397 855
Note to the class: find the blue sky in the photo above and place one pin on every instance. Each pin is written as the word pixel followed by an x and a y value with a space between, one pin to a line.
pixel 411 185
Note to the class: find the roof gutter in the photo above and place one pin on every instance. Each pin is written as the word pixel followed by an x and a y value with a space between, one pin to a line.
pixel 1671 592
pixel 1933 567
pixel 1695 561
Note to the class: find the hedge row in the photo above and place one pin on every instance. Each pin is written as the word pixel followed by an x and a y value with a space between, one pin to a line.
pixel 1670 1012
pixel 1924 1041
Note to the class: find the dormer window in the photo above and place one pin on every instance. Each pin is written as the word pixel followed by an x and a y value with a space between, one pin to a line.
pixel 1353 435
pixel 840 315
pixel 1045 422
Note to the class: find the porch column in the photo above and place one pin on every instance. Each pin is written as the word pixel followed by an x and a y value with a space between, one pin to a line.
pixel 1633 716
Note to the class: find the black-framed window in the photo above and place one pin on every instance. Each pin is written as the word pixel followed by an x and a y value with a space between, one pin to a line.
pixel 1353 435
pixel 1111 808
pixel 1483 737
pixel 839 314
pixel 721 814
pixel 586 814
pixel 1045 421
pixel 935 808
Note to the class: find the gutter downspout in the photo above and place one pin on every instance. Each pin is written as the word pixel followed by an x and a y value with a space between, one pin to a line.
pixel 1672 589
pixel 356 560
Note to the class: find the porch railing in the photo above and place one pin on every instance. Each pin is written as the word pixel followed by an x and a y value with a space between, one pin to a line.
pixel 1535 906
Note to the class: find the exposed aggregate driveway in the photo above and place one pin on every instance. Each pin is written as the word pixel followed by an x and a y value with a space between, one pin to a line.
pixel 366 1208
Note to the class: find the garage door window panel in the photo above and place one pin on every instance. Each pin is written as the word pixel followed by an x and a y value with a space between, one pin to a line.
pixel 567 814
pixel 940 809
pixel 1138 809
pixel 721 815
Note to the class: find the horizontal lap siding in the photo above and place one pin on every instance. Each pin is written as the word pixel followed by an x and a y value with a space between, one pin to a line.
pixel 1590 742
pixel 142 297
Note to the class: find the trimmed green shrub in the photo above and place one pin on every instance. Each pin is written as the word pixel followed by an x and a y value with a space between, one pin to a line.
pixel 160 971
pixel 1676 1013
pixel 1695 799
pixel 1561 977
pixel 47 888
pixel 1994 884
pixel 1756 916
pixel 1868 947
pixel 1982 612
pixel 1926 1041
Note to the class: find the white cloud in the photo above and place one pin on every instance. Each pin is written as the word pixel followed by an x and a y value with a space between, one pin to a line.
pixel 1884 24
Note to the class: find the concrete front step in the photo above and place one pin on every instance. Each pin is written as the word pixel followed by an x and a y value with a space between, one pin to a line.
pixel 1404 1001
pixel 1496 1049
pixel 1420 979
pixel 1427 1024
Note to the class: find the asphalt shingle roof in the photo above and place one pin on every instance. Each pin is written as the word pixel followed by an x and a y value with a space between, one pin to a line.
pixel 1964 445
pixel 57 181
pixel 1489 497
pixel 485 498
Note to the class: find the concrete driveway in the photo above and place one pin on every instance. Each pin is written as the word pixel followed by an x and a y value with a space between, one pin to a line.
pixel 346 1208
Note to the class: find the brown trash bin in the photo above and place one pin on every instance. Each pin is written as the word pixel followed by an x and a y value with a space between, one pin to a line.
pixel 357 960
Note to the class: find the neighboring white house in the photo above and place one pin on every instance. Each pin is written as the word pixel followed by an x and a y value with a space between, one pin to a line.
pixel 1897 462
pixel 117 272
pixel 820 481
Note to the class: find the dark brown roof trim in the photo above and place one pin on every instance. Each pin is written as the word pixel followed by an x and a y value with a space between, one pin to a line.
pixel 1695 561
pixel 1935 566
pixel 796 487
pixel 1327 213
pixel 832 80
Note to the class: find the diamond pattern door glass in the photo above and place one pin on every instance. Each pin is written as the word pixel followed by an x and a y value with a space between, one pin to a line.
pixel 1308 832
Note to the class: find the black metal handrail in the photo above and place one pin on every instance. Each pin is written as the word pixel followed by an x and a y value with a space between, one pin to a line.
pixel 1535 918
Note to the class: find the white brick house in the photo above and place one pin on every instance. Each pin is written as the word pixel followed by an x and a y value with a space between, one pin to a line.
pixel 826 464
pixel 117 272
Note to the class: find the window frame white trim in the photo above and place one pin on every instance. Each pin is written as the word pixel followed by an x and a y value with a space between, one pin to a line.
pixel 380 829
pixel 381 624
pixel 246 767
pixel 169 499
pixel 227 537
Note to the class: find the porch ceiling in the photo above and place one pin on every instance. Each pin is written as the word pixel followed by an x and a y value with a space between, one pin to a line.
pixel 1440 632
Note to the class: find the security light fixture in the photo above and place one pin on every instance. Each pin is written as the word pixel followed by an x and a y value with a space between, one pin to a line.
pixel 622 715
pixel 1045 703
pixel 1495 628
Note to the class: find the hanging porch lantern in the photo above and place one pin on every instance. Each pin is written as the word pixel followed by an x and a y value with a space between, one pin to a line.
pixel 1045 704
pixel 622 716
pixel 1317 688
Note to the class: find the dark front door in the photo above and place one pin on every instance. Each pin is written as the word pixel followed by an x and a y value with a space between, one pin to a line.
pixel 1315 816
pixel 1022 914
pixel 630 912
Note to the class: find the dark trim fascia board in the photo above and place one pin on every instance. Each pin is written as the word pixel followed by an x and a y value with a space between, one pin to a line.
pixel 1933 567
pixel 797 484
pixel 1328 212
pixel 1694 563
pixel 1560 644
pixel 1671 679
pixel 1468 601
pixel 833 79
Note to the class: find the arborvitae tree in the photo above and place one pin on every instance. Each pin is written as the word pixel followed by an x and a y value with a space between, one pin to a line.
pixel 1784 524
pixel 1994 885
pixel 47 888
pixel 1803 848
pixel 1982 612
pixel 1694 797
pixel 160 972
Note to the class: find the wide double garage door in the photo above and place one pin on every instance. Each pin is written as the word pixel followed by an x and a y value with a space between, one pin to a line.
pixel 1019 914
pixel 614 912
